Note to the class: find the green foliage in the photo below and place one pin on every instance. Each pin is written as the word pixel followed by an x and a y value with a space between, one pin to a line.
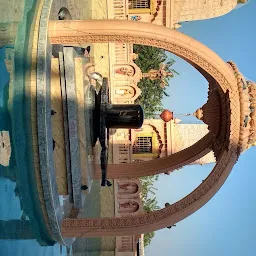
pixel 152 94
pixel 148 189
pixel 149 57
pixel 149 201
pixel 148 238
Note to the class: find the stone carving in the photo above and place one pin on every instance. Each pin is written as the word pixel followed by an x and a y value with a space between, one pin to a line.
pixel 129 206
pixel 247 94
pixel 128 188
pixel 125 91
pixel 160 74
pixel 125 71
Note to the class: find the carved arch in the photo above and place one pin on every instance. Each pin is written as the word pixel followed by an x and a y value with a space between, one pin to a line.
pixel 160 165
pixel 124 70
pixel 129 206
pixel 158 138
pixel 137 74
pixel 197 54
pixel 129 187
pixel 125 92
pixel 132 86
pixel 159 39
pixel 137 91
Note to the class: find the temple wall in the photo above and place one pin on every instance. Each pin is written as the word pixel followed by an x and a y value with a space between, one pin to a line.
pixel 100 51
pixel 180 137
pixel 171 12
pixel 186 135
pixel 154 128
pixel 188 10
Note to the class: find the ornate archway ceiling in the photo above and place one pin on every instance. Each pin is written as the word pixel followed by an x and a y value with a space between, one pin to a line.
pixel 216 114
pixel 230 118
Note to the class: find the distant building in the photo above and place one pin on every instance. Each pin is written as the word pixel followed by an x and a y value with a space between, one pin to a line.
pixel 170 13
pixel 157 139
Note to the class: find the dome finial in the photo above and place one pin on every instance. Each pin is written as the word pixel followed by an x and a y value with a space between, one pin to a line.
pixel 166 115
pixel 198 114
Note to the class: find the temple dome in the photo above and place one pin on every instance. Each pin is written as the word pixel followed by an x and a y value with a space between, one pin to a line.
pixel 212 112
pixel 189 10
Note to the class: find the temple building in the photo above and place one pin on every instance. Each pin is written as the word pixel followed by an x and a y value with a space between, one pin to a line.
pixel 116 59
pixel 157 139
pixel 170 13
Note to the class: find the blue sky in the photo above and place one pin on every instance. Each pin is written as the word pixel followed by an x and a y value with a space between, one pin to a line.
pixel 226 225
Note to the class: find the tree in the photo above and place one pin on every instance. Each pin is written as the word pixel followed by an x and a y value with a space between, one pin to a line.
pixel 147 187
pixel 148 238
pixel 149 201
pixel 152 94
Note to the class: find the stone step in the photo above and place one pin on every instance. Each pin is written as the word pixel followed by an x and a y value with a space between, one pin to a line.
pixel 76 130
pixel 83 124
pixel 72 121
pixel 59 152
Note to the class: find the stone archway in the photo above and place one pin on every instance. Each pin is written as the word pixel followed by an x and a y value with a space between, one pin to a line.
pixel 211 66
